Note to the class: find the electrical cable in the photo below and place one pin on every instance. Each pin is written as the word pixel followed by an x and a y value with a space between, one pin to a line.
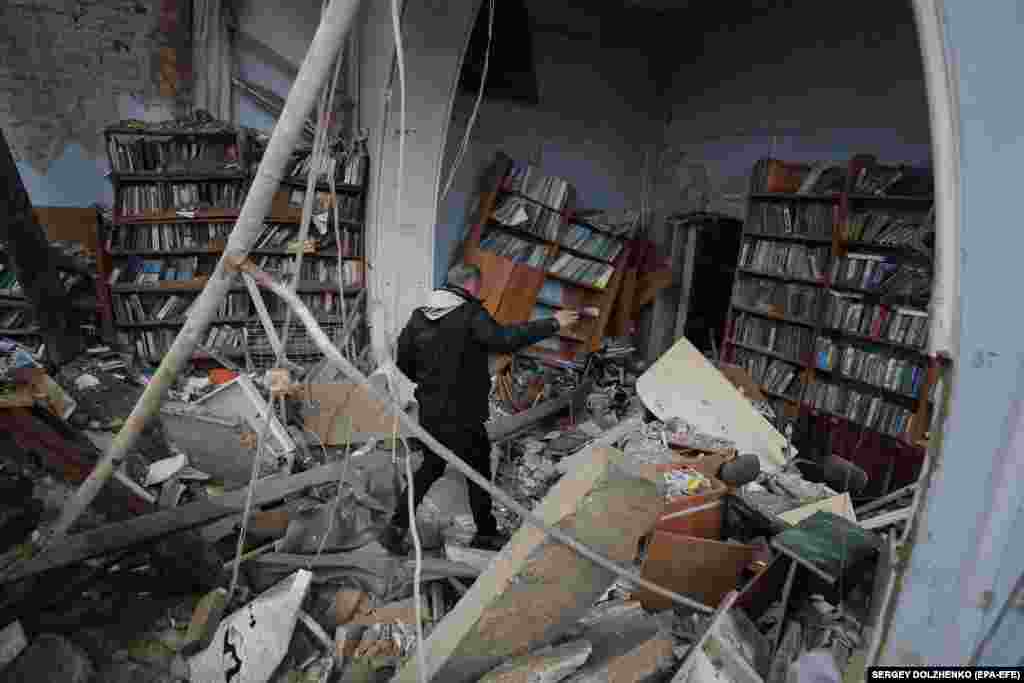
pixel 400 57
pixel 416 430
pixel 247 511
pixel 464 144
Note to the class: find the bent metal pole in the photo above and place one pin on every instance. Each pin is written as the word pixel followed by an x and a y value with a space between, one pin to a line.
pixel 338 360
pixel 334 24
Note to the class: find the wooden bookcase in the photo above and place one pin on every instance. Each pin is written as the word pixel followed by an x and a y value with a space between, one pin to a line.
pixel 156 230
pixel 511 290
pixel 908 376
pixel 17 315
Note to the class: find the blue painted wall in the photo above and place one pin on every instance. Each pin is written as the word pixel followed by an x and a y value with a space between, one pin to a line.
pixel 592 127
pixel 940 616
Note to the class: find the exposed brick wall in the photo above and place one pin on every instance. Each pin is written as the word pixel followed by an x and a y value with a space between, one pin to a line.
pixel 65 64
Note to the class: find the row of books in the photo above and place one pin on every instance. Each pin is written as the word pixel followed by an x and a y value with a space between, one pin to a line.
pixel 877 179
pixel 620 223
pixel 547 190
pixel 591 273
pixel 820 178
pixel 588 241
pixel 346 166
pixel 869 410
pixel 350 207
pixel 314 270
pixel 775 376
pixel 351 244
pixel 167 236
pixel 883 227
pixel 792 300
pixel 138 154
pixel 319 303
pixel 153 344
pixel 813 220
pixel 515 249
pixel 791 341
pixel 863 271
pixel 878 368
pixel 899 325
pixel 780 258
pixel 166 196
pixel 515 212
pixel 150 271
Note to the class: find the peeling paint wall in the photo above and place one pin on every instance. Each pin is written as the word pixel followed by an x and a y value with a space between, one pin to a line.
pixel 69 68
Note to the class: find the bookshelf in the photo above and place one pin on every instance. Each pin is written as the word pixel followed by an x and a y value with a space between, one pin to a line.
pixel 829 310
pixel 177 195
pixel 538 255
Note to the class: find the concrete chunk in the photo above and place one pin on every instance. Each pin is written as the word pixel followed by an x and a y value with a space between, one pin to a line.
pixel 627 649
pixel 536 589
pixel 547 665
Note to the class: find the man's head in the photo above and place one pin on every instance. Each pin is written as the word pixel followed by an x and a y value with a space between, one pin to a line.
pixel 466 276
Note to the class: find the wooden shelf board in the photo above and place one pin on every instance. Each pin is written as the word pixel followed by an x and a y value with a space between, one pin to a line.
pixel 766 352
pixel 574 283
pixel 340 188
pixel 210 250
pixel 176 176
pixel 21 332
pixel 772 316
pixel 782 278
pixel 902 438
pixel 157 289
pixel 124 130
pixel 838 376
pixel 920 199
pixel 790 238
pixel 872 340
pixel 789 197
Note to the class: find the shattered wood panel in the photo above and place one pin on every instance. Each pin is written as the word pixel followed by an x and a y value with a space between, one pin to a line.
pixel 683 383
pixel 701 568
pixel 342 406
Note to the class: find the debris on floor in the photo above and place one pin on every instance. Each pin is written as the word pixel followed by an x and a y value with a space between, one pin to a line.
pixel 681 478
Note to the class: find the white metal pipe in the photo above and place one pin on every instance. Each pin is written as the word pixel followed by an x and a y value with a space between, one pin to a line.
pixel 314 71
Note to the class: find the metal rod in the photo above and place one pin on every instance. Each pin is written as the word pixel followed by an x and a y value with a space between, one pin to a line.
pixel 335 356
pixel 315 68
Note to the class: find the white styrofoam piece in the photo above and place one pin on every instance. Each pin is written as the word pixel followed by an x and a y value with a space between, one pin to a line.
pixel 241 398
pixel 165 468
pixel 685 384
pixel 250 644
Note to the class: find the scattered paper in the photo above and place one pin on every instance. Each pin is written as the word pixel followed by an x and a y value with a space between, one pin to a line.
pixel 162 470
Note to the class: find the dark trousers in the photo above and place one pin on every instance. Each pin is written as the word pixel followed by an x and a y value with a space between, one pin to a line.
pixel 469 442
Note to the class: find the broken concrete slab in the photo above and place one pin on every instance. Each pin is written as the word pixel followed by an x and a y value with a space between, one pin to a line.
pixel 629 648
pixel 537 589
pixel 683 383
pixel 254 640
pixel 547 665
pixel 606 440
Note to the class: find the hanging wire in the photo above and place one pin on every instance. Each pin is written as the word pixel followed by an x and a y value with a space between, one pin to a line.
pixel 464 144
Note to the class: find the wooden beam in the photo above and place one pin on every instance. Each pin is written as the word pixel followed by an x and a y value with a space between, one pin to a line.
pixel 692 234
pixel 111 537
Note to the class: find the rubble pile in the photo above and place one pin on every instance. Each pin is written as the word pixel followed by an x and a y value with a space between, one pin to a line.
pixel 779 573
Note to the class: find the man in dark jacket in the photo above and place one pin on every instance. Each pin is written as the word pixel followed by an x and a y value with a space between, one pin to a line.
pixel 444 349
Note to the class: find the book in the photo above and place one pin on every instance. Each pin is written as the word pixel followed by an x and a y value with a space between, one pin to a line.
pixel 861 407
pixel 591 273
pixel 516 249
pixel 796 261
pixel 786 299
pixel 175 154
pixel 140 198
pixel 791 341
pixel 877 367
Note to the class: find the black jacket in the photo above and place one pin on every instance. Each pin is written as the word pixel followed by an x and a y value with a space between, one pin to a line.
pixel 448 357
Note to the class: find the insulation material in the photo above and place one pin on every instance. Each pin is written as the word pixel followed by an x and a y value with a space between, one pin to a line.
pixel 684 384
pixel 251 643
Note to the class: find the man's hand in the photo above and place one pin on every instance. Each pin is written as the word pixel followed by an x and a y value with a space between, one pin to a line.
pixel 566 318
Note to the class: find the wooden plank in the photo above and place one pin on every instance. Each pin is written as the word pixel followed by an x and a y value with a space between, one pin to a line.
pixel 886 519
pixel 839 505
pixel 704 569
pixel 111 537
pixel 692 235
